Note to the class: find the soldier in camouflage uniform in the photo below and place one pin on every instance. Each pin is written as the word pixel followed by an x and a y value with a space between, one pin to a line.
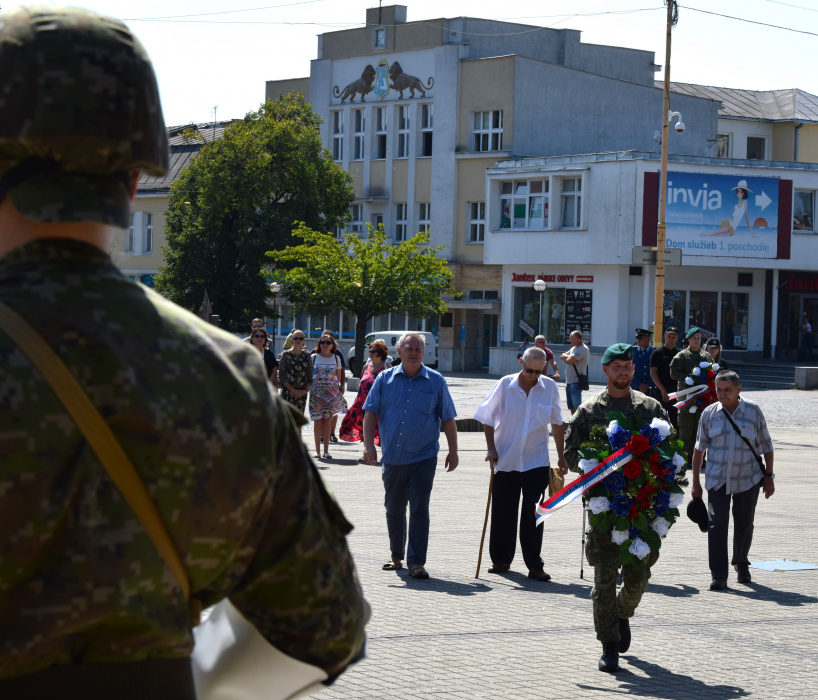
pixel 680 367
pixel 612 611
pixel 87 605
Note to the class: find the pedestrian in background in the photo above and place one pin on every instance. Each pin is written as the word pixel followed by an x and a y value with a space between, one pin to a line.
pixel 660 373
pixel 541 343
pixel 515 417
pixel 733 474
pixel 680 368
pixel 295 372
pixel 642 352
pixel 352 427
pixel 713 346
pixel 326 397
pixel 260 341
pixel 255 323
pixel 343 380
pixel 409 404
pixel 577 373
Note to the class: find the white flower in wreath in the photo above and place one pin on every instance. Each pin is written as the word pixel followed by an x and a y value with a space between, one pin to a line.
pixel 715 367
pixel 660 526
pixel 620 536
pixel 689 381
pixel 639 548
pixel 678 460
pixel 587 464
pixel 676 499
pixel 612 427
pixel 599 504
pixel 662 426
pixel 704 365
pixel 693 409
pixel 696 372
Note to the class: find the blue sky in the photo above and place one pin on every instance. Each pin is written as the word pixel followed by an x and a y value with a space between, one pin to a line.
pixel 223 59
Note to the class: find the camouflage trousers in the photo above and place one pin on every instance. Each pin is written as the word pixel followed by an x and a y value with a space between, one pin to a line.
pixel 688 427
pixel 609 606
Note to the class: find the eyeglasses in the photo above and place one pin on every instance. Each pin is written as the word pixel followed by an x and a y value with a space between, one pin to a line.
pixel 532 371
pixel 298 337
pixel 325 342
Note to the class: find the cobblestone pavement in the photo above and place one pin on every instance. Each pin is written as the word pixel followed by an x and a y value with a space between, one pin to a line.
pixel 455 636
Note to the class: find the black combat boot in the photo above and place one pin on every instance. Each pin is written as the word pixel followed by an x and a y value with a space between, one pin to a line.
pixel 609 661
pixel 624 635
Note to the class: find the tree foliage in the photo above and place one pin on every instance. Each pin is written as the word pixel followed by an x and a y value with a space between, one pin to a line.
pixel 363 276
pixel 240 197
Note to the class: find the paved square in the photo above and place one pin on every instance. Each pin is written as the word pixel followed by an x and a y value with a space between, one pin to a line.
pixel 455 636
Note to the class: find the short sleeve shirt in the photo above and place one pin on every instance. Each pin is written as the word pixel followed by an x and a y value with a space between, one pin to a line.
pixel 660 359
pixel 582 353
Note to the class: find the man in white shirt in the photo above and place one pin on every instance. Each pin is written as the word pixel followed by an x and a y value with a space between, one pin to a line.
pixel 515 417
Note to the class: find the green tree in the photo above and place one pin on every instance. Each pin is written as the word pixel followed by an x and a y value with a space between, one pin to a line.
pixel 363 276
pixel 240 197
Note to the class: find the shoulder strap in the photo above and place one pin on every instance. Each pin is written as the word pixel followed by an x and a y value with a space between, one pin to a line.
pixel 738 431
pixel 99 436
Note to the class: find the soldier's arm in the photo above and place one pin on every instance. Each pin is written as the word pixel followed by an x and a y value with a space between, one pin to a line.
pixel 576 432
pixel 675 367
pixel 301 589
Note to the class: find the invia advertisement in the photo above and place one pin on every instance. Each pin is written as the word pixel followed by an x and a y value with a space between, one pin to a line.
pixel 722 215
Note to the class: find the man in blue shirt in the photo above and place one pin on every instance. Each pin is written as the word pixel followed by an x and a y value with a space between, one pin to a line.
pixel 641 362
pixel 409 404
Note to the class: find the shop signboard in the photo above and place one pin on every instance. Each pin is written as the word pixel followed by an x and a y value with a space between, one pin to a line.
pixel 578 312
pixel 732 216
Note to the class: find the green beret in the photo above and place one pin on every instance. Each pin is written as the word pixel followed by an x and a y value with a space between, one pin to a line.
pixel 620 351
pixel 693 332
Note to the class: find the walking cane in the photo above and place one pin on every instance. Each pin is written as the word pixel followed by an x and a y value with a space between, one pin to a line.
pixel 582 551
pixel 485 522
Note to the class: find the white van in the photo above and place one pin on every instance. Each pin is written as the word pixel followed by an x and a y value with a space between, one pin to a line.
pixel 391 339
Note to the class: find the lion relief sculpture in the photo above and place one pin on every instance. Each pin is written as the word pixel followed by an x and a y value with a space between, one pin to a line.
pixel 362 86
pixel 401 81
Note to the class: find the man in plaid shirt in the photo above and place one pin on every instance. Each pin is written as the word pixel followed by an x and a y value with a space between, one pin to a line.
pixel 732 473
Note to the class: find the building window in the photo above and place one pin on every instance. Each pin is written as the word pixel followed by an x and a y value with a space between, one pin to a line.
pixel 426 118
pixel 477 221
pixel 357 223
pixel 424 216
pixel 403 131
pixel 756 148
pixel 723 146
pixel 483 294
pixel 488 130
pixel 147 233
pixel 802 211
pixel 379 38
pixel 571 203
pixel 400 222
pixel 377 220
pixel 337 135
pixel 524 204
pixel 129 235
pixel 358 134
pixel 380 133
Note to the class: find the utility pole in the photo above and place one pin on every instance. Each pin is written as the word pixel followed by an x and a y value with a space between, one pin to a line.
pixel 658 311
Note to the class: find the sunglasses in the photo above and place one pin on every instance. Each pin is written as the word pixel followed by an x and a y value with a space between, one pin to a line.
pixel 325 342
pixel 532 371
pixel 373 352
pixel 298 337
pixel 259 336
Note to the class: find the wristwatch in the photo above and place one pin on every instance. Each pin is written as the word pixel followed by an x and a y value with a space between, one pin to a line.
pixel 770 474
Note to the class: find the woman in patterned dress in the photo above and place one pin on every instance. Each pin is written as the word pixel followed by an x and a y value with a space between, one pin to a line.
pixel 295 372
pixel 326 398
pixel 352 427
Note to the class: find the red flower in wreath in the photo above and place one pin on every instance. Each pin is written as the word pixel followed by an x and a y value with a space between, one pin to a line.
pixel 632 469
pixel 638 444
pixel 632 513
pixel 711 375
pixel 654 459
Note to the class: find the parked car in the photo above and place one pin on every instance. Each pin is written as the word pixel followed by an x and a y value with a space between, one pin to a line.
pixel 391 339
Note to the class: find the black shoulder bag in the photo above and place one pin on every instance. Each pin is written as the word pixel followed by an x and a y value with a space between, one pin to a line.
pixel 752 449
pixel 582 379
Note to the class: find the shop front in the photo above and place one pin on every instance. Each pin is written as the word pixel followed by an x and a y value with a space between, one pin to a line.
pixel 797 314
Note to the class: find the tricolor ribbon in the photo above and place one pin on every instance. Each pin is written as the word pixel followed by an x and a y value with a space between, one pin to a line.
pixel 686 396
pixel 579 486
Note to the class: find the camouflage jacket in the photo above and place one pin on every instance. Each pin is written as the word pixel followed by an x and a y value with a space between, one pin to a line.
pixel 683 364
pixel 222 457
pixel 593 412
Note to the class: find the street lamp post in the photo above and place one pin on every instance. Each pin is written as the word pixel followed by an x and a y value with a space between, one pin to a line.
pixel 540 286
pixel 275 288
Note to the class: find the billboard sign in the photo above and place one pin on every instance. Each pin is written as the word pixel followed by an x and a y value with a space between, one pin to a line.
pixel 732 216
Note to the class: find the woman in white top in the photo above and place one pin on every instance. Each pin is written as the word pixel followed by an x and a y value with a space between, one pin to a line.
pixel 326 398
pixel 729 226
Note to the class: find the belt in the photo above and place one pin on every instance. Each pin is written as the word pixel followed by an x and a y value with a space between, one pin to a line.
pixel 157 679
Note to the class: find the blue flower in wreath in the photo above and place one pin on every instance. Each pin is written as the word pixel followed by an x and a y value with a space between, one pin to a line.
pixel 652 434
pixel 671 469
pixel 635 533
pixel 619 438
pixel 615 482
pixel 661 502
pixel 621 504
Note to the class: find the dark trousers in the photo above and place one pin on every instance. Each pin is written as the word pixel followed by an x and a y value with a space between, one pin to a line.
pixel 412 484
pixel 505 496
pixel 718 509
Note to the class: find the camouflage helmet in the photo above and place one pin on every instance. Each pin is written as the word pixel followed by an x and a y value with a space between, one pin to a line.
pixel 79 112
